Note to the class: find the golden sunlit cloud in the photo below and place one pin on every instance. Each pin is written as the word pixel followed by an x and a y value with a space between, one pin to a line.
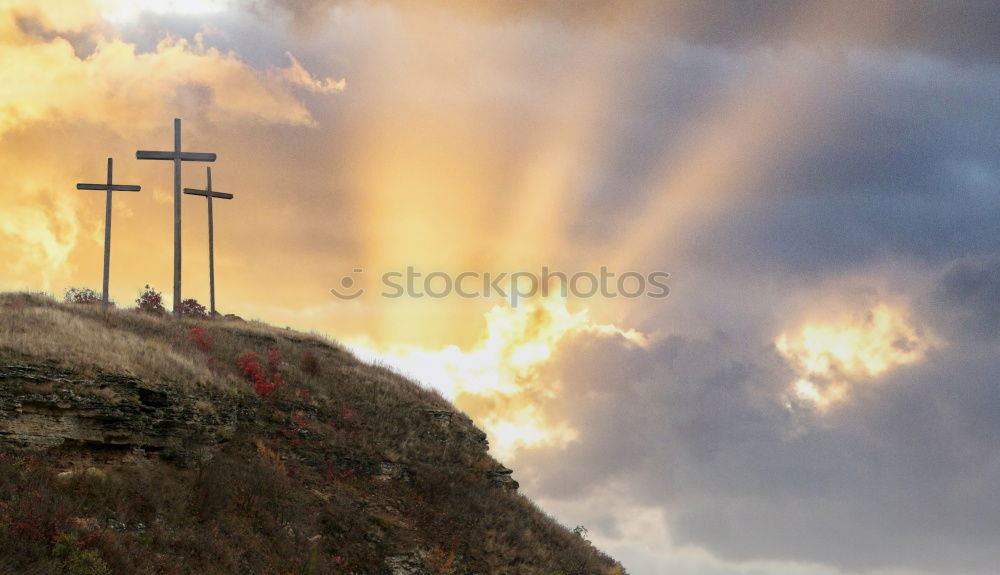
pixel 297 75
pixel 498 380
pixel 125 90
pixel 44 240
pixel 830 357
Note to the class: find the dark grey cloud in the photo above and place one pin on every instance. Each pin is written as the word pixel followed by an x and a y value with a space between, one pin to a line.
pixel 968 298
pixel 900 477
pixel 908 167
pixel 963 29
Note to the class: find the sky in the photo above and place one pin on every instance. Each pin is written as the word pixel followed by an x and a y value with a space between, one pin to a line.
pixel 817 394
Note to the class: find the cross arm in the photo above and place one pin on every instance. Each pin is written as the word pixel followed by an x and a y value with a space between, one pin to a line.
pixel 185 156
pixel 206 193
pixel 147 155
pixel 197 157
pixel 111 188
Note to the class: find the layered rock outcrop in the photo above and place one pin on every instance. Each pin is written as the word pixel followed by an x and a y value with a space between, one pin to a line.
pixel 105 416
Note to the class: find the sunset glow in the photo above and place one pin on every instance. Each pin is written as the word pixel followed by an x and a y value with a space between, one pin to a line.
pixel 818 180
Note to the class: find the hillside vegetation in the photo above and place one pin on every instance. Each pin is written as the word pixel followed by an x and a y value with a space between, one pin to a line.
pixel 133 442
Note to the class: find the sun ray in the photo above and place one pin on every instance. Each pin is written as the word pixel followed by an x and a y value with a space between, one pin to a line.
pixel 435 203
pixel 746 134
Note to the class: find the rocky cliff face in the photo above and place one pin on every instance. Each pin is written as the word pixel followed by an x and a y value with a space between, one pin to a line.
pixel 111 462
pixel 106 416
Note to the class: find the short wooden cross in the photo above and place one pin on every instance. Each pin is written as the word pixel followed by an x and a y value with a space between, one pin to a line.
pixel 208 193
pixel 108 187
pixel 178 157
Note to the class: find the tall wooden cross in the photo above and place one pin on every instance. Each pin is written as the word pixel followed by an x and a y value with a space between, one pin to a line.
pixel 208 193
pixel 177 157
pixel 108 187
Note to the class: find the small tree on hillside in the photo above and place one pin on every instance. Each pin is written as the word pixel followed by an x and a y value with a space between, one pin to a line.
pixel 150 300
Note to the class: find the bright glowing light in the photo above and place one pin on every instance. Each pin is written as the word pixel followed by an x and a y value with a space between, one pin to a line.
pixel 831 357
pixel 130 10
pixel 524 427
pixel 498 381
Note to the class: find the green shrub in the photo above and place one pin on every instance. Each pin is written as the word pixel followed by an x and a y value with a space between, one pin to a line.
pixel 76 560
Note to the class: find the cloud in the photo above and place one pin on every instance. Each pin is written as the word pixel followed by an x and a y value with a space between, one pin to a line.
pixel 497 381
pixel 969 291
pixel 296 75
pixel 37 243
pixel 905 167
pixel 119 87
pixel 894 476
pixel 832 357
pixel 964 31
pixel 60 16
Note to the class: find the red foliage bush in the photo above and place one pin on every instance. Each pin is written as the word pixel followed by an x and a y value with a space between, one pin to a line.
pixel 150 300
pixel 191 307
pixel 255 373
pixel 81 295
pixel 200 338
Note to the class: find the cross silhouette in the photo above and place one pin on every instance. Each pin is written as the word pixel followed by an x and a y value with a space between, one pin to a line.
pixel 109 187
pixel 178 157
pixel 208 193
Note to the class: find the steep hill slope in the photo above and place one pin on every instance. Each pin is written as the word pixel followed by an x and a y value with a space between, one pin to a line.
pixel 137 443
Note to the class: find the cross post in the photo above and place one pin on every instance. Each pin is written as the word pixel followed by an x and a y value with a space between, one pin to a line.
pixel 177 156
pixel 208 193
pixel 108 187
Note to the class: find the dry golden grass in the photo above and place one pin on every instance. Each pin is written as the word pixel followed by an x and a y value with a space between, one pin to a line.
pixel 82 340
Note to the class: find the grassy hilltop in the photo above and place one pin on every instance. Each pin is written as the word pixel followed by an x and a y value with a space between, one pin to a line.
pixel 139 443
